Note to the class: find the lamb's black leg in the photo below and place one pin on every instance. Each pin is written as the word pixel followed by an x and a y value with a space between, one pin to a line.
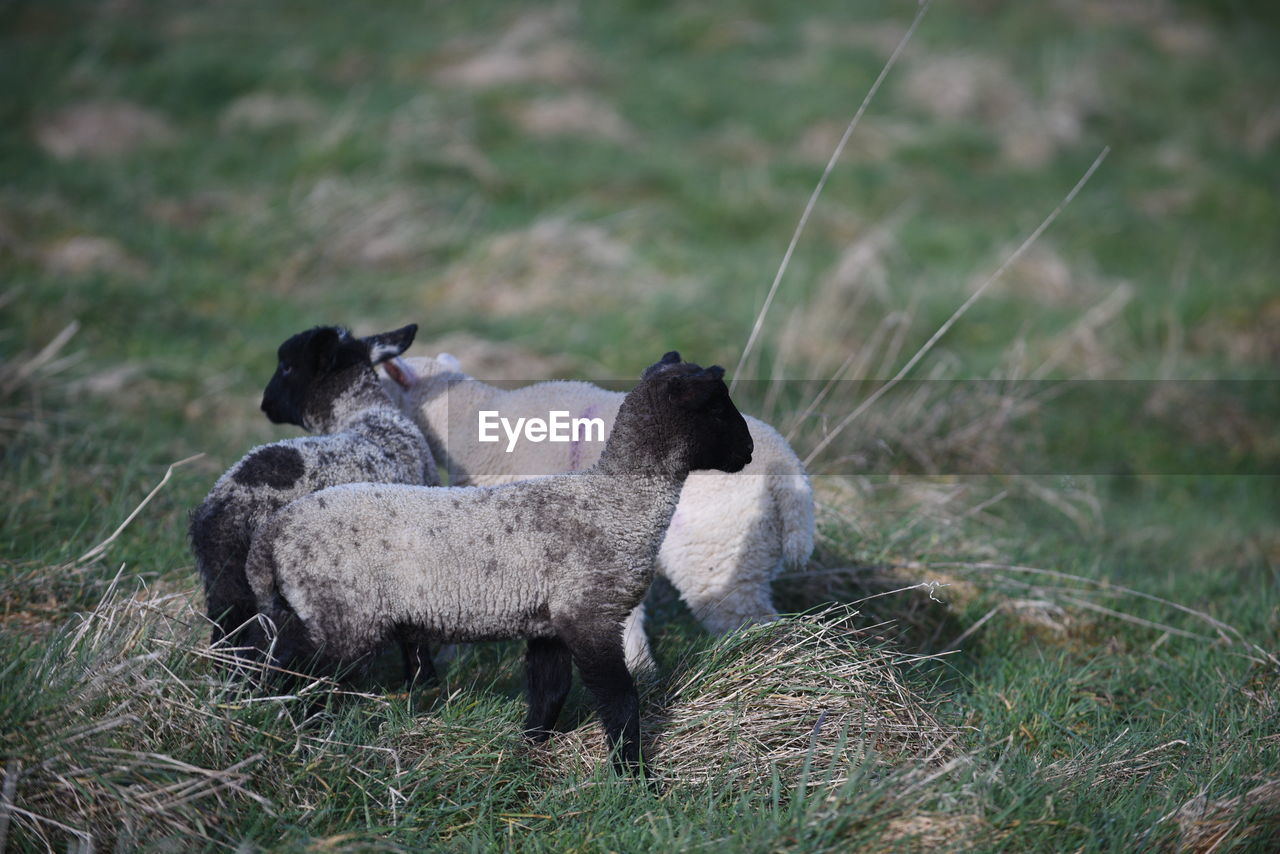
pixel 217 631
pixel 292 656
pixel 597 650
pixel 291 650
pixel 416 655
pixel 548 673
pixel 232 612
pixel 238 632
pixel 409 660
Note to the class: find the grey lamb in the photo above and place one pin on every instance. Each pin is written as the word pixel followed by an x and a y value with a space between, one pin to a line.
pixel 324 382
pixel 560 560
pixel 731 533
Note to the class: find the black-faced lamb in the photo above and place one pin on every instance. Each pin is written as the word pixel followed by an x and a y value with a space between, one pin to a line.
pixel 731 533
pixel 325 383
pixel 560 560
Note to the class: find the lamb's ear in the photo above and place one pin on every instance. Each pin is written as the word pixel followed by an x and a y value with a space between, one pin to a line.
pixel 693 390
pixel 322 346
pixel 669 358
pixel 333 349
pixel 449 362
pixel 400 372
pixel 388 345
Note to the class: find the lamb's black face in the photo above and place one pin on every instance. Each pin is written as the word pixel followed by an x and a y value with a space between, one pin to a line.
pixel 702 412
pixel 309 360
pixel 304 360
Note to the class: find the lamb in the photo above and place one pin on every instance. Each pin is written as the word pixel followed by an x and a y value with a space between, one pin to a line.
pixel 560 561
pixel 730 536
pixel 325 382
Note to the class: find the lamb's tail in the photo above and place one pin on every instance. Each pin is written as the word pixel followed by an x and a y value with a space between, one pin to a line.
pixel 793 499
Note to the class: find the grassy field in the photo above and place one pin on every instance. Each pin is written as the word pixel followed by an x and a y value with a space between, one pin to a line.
pixel 1041 617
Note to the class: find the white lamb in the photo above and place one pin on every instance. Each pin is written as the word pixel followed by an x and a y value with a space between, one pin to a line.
pixel 731 533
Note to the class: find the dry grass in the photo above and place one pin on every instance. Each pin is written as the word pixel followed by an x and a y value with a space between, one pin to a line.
pixel 932 424
pixel 881 37
pixel 265 111
pixel 935 423
pixel 101 129
pixel 84 254
pixel 744 361
pixel 808 699
pixel 915 609
pixel 91 752
pixel 1252 339
pixel 1070 591
pixel 429 129
pixel 126 732
pixel 369 225
pixel 858 280
pixel 1084 349
pixel 1043 276
pixel 575 114
pixel 552 266
pixel 888 516
pixel 23 379
pixel 1047 605
pixel 496 360
pixel 1206 825
pixel 1129 766
pixel 533 49
pixel 845 415
pixel 925 831
pixel 983 91
pixel 875 144
pixel 870 532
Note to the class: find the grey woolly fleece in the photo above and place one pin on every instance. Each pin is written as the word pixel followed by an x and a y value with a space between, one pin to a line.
pixel 367 439
pixel 444 402
pixel 539 558
pixel 731 533
pixel 358 563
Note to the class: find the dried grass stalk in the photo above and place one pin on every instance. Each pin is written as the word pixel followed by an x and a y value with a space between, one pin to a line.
pixel 1130 766
pixel 806 698
pixel 1215 825
pixel 93 743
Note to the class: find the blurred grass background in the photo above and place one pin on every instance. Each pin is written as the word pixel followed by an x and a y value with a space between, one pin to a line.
pixel 572 189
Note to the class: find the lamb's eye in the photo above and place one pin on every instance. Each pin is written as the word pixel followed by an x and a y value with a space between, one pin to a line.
pixel 285 370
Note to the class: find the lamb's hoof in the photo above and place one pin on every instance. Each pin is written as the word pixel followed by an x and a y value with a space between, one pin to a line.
pixel 636 770
pixel 649 779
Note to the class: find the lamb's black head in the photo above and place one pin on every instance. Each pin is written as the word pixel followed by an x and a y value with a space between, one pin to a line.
pixel 317 365
pixel 682 413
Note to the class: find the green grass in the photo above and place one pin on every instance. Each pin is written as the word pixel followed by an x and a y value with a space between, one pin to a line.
pixel 410 196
